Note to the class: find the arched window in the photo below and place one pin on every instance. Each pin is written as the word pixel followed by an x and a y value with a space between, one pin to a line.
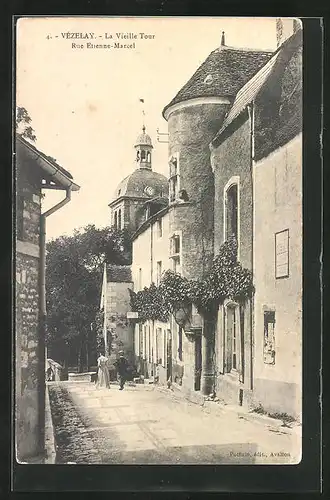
pixel 232 212
pixel 148 157
pixel 119 219
pixel 143 155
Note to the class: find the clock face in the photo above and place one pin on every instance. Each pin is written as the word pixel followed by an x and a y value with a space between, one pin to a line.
pixel 149 190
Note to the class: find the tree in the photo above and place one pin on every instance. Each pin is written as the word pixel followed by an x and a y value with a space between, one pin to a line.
pixel 23 126
pixel 74 270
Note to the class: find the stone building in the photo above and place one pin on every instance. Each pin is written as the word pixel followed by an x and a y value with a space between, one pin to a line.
pixel 115 304
pixel 194 117
pixel 142 192
pixel 257 126
pixel 136 199
pixel 234 170
pixel 153 339
pixel 35 172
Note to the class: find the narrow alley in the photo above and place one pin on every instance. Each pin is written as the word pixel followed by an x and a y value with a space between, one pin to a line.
pixel 149 425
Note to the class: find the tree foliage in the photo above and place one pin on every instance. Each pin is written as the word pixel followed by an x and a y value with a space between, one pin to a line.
pixel 23 126
pixel 226 279
pixel 74 268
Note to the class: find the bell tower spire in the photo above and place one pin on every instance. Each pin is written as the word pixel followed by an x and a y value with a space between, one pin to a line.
pixel 143 147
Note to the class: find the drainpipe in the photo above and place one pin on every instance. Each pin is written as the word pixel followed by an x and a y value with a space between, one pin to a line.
pixel 251 111
pixel 43 250
pixel 43 352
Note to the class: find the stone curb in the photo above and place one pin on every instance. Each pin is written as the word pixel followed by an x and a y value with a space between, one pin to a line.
pixel 50 448
pixel 218 406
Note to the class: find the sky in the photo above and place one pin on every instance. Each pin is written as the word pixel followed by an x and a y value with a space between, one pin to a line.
pixel 85 102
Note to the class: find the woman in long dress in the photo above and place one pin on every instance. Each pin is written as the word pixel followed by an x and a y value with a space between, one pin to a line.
pixel 103 377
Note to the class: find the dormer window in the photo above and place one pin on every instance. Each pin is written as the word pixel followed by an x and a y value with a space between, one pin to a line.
pixel 208 80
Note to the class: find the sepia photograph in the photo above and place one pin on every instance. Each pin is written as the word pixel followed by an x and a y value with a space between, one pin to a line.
pixel 158 166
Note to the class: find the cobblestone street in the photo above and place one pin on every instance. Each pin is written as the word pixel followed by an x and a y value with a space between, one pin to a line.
pixel 148 425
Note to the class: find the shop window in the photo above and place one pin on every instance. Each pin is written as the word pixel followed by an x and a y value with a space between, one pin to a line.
pixel 269 337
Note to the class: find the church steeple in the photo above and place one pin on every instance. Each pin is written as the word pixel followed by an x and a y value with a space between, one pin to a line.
pixel 143 147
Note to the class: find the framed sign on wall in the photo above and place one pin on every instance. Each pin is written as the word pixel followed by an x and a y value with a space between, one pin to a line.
pixel 282 254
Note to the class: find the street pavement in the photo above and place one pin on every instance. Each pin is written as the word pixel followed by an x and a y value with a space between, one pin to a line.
pixel 148 425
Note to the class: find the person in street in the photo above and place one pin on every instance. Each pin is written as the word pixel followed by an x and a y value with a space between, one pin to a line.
pixel 103 377
pixel 122 369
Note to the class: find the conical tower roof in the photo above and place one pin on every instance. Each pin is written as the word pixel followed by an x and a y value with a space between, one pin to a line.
pixel 222 74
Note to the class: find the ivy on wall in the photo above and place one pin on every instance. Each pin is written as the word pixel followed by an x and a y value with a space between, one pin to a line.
pixel 227 279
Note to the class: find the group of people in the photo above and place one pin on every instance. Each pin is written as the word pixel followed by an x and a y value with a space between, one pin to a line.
pixel 103 375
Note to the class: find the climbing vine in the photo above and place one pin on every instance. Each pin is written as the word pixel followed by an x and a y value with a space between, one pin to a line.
pixel 227 279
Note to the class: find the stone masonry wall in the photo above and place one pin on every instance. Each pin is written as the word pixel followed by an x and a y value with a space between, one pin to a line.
pixel 29 342
pixel 190 132
pixel 233 158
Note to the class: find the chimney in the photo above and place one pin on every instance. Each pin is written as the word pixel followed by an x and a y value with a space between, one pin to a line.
pixel 223 39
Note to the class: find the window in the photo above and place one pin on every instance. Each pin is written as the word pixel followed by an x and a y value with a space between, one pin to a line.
pixel 19 217
pixel 232 350
pixel 116 220
pixel 149 345
pixel 175 253
pixel 159 356
pixel 160 228
pixel 282 254
pixel 119 219
pixel 143 155
pixel 159 271
pixel 164 349
pixel 174 179
pixel 232 212
pixel 269 337
pixel 180 350
pixel 144 343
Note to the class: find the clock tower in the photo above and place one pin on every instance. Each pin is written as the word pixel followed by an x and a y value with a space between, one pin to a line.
pixel 142 193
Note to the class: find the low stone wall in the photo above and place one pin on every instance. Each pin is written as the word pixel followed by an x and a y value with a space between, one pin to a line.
pixel 50 446
pixel 83 377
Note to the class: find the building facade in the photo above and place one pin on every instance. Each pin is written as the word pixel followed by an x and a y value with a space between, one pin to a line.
pixel 34 172
pixel 235 170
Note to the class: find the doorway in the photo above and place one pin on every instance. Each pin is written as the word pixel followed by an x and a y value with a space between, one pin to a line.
pixel 198 362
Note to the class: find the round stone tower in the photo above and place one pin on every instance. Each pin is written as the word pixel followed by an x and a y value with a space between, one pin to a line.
pixel 194 116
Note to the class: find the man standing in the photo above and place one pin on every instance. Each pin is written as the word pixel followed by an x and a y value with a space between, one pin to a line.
pixel 122 368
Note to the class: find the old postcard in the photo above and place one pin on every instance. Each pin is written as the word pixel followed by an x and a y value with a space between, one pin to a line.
pixel 158 240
